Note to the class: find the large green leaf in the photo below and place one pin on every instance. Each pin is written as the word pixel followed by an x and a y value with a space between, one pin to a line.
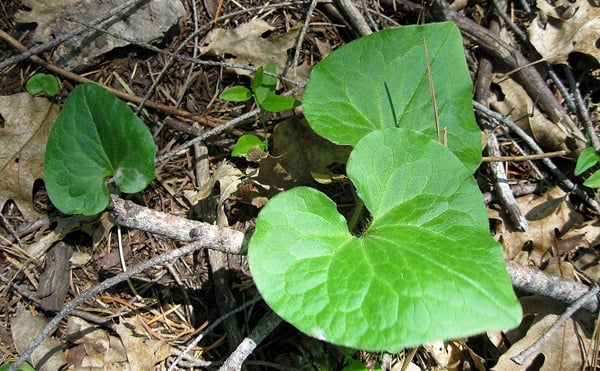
pixel 425 269
pixel 96 136
pixel 381 81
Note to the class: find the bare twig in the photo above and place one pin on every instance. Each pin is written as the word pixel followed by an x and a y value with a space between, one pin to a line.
pixel 211 328
pixel 524 157
pixel 264 327
pixel 356 20
pixel 130 215
pixel 502 187
pixel 582 111
pixel 535 281
pixel 562 178
pixel 301 36
pixel 579 303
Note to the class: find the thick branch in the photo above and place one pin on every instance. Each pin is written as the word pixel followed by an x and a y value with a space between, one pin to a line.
pixel 131 215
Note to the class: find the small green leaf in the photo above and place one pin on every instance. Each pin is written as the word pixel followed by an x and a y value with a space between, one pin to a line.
pixel 42 83
pixel 270 81
pixel 257 80
pixel 24 367
pixel 381 81
pixel 96 136
pixel 425 269
pixel 593 181
pixel 246 143
pixel 278 103
pixel 587 158
pixel 264 85
pixel 236 94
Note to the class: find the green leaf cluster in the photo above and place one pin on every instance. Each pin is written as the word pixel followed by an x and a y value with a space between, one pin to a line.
pixel 96 139
pixel 263 90
pixel 587 159
pixel 264 84
pixel 426 267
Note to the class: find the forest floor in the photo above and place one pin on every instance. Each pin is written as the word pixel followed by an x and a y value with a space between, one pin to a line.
pixel 545 79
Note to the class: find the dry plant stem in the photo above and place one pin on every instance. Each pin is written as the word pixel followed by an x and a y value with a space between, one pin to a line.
pixel 128 214
pixel 104 285
pixel 354 17
pixel 535 281
pixel 264 327
pixel 524 157
pixel 67 35
pixel 210 328
pixel 534 348
pixel 301 36
pixel 562 178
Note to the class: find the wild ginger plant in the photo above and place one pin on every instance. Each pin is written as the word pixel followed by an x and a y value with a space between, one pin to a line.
pixel 426 267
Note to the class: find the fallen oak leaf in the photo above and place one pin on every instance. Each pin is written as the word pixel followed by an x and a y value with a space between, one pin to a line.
pixel 27 124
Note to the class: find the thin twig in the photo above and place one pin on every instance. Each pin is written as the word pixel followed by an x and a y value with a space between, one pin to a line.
pixel 562 178
pixel 578 304
pixel 356 20
pixel 581 110
pixel 209 329
pixel 301 35
pixel 568 97
pixel 264 327
pixel 516 29
pixel 524 157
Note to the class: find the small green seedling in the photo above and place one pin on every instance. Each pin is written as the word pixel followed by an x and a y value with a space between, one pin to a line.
pixel 263 90
pixel 42 83
pixel 426 267
pixel 96 140
pixel 587 159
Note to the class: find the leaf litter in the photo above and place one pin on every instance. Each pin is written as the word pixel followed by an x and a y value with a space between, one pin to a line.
pixel 566 237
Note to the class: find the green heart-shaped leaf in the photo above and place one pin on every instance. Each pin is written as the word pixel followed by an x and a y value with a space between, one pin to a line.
pixel 382 81
pixel 96 136
pixel 425 269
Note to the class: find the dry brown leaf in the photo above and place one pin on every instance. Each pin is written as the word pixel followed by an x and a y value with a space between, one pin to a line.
pixel 547 214
pixel 249 48
pixel 25 327
pixel 227 175
pixel 96 348
pixel 147 23
pixel 27 124
pixel 142 352
pixel 564 351
pixel 96 227
pixel 516 104
pixel 300 153
pixel 563 27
